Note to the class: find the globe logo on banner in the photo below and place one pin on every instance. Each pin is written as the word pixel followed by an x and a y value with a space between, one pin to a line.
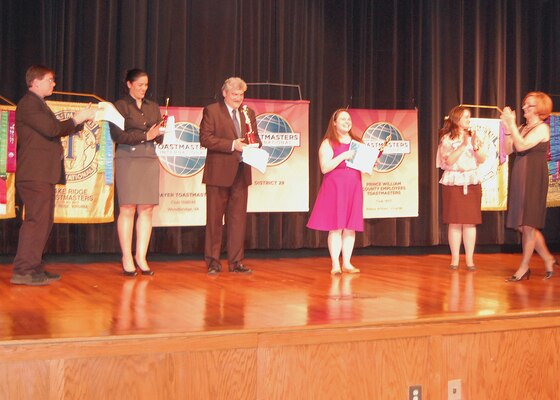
pixel 393 155
pixel 182 155
pixel 278 137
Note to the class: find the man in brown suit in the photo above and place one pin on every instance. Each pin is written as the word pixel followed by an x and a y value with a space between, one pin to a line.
pixel 40 166
pixel 227 178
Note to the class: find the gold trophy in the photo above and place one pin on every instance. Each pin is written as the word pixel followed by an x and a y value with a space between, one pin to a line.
pixel 165 115
pixel 383 145
pixel 250 135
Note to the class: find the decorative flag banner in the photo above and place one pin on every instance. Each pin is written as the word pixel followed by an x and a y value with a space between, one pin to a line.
pixel 86 197
pixel 7 196
pixel 494 171
pixel 553 197
pixel 12 142
pixel 3 142
pixel 284 130
pixel 392 189
pixel 7 162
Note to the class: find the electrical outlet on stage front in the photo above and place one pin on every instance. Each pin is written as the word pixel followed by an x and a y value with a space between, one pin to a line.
pixel 415 392
pixel 454 389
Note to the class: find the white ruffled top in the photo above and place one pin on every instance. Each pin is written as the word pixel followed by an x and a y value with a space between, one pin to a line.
pixel 464 171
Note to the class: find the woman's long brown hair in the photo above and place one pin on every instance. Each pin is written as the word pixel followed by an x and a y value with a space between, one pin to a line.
pixel 331 133
pixel 451 123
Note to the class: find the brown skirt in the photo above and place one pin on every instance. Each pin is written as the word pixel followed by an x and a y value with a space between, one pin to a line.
pixel 460 208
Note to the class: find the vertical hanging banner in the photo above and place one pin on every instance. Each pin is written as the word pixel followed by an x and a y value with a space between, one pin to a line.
pixel 284 186
pixel 392 188
pixel 493 173
pixel 553 197
pixel 8 144
pixel 182 195
pixel 284 131
pixel 88 196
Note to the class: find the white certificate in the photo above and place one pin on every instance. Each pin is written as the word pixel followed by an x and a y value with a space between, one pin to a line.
pixel 255 157
pixel 364 157
pixel 107 112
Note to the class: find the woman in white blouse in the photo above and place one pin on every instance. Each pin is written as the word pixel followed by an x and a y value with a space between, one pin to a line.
pixel 460 152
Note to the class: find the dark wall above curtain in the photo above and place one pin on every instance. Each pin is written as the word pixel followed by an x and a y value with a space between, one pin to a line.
pixel 430 55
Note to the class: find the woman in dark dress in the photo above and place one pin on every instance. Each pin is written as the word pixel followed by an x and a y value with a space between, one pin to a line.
pixel 529 179
pixel 136 170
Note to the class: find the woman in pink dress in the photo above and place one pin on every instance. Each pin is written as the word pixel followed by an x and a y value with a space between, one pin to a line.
pixel 459 154
pixel 339 205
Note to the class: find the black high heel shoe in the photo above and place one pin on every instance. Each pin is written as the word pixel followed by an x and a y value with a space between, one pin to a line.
pixel 147 272
pixel 514 278
pixel 550 274
pixel 128 273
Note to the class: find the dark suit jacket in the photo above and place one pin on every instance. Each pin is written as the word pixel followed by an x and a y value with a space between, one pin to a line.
pixel 40 156
pixel 217 134
pixel 132 143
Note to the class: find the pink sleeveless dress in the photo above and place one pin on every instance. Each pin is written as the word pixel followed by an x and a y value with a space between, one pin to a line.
pixel 339 204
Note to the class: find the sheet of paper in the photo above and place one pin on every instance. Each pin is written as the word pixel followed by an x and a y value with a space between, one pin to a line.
pixel 107 112
pixel 255 157
pixel 364 157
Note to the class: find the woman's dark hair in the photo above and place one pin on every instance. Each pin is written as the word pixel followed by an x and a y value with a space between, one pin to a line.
pixel 133 75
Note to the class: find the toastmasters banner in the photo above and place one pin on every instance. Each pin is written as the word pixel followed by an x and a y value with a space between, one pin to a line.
pixel 493 173
pixel 392 189
pixel 182 195
pixel 88 194
pixel 7 161
pixel 283 127
pixel 284 131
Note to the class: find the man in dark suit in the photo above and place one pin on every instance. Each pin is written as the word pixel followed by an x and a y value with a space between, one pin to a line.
pixel 227 178
pixel 40 166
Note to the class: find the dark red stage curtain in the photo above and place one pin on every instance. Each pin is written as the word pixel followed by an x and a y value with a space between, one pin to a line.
pixel 360 53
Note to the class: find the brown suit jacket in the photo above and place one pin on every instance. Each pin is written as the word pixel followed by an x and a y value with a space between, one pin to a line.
pixel 217 134
pixel 40 156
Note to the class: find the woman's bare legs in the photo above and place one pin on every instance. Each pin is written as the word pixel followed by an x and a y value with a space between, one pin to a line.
pixel 469 241
pixel 348 239
pixel 143 234
pixel 335 247
pixel 454 237
pixel 542 249
pixel 125 226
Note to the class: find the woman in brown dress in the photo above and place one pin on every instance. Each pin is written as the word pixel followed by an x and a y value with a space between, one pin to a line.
pixel 529 179
pixel 460 152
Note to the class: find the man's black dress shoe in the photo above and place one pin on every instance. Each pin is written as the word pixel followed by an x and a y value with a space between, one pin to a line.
pixel 33 279
pixel 240 269
pixel 51 276
pixel 214 269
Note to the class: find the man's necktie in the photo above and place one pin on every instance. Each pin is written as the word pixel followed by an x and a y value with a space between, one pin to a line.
pixel 236 123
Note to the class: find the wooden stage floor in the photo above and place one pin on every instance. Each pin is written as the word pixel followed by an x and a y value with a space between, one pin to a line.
pixel 94 300
pixel 288 331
